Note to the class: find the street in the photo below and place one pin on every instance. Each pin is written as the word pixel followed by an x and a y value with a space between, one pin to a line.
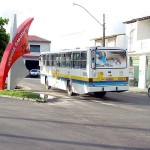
pixel 118 121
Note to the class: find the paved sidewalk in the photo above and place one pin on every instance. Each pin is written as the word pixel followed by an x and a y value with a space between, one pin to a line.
pixel 137 90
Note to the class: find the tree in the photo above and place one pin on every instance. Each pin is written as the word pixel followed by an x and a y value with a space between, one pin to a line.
pixel 4 37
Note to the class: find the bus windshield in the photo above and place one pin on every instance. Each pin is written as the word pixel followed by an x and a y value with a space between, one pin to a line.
pixel 111 59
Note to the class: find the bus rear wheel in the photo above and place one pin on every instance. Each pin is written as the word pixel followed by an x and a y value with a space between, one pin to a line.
pixel 69 89
pixel 149 92
pixel 46 84
pixel 100 94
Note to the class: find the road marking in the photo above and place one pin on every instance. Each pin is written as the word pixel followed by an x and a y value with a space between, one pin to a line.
pixel 109 104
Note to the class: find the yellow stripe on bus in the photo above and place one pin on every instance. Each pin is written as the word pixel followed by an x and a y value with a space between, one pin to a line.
pixel 97 79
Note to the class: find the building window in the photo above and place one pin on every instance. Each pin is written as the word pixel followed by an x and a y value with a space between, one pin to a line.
pixel 35 48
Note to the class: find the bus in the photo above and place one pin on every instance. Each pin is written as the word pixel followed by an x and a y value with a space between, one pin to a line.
pixel 94 70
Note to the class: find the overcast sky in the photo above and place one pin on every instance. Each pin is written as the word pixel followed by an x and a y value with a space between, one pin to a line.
pixel 68 26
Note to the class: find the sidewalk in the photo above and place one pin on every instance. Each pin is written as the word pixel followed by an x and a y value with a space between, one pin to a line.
pixel 137 90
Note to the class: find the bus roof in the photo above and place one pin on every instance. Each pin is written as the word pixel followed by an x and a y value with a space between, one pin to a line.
pixel 65 50
pixel 83 49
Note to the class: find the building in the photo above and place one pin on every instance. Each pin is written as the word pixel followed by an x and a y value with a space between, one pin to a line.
pixel 115 40
pixel 138 33
pixel 36 45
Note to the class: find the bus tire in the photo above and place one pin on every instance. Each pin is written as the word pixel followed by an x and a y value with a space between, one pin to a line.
pixel 69 89
pixel 46 84
pixel 149 92
pixel 99 94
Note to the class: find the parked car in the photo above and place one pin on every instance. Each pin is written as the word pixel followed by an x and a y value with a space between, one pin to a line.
pixel 34 73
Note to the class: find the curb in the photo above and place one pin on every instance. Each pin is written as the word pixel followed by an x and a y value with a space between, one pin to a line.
pixel 21 98
pixel 25 99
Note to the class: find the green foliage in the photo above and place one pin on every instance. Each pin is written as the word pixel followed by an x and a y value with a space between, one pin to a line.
pixel 4 37
pixel 21 93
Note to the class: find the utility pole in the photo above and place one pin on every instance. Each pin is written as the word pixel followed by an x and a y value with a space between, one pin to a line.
pixel 103 25
pixel 103 30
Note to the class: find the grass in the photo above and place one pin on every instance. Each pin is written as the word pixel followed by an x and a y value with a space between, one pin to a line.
pixel 21 93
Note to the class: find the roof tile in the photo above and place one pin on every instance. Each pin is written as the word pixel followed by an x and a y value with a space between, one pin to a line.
pixel 137 19
pixel 34 38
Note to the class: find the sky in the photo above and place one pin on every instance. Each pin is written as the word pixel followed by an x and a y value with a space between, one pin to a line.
pixel 68 26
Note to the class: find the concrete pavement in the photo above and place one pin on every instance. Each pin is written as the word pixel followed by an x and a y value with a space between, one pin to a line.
pixel 138 90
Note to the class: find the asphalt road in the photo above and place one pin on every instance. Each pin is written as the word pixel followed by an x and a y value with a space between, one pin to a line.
pixel 117 122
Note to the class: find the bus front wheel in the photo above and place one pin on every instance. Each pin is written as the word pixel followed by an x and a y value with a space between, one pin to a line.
pixel 46 84
pixel 69 89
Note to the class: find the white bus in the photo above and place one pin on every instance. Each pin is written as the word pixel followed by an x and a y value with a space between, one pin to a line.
pixel 91 70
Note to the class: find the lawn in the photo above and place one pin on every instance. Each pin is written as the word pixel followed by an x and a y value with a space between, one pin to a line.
pixel 22 94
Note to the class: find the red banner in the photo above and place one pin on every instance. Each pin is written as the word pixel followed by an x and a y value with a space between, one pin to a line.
pixel 14 50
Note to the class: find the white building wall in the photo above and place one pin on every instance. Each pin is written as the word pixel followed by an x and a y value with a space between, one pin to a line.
pixel 118 41
pixel 141 37
pixel 111 42
pixel 121 41
pixel 143 31
pixel 140 45
pixel 131 45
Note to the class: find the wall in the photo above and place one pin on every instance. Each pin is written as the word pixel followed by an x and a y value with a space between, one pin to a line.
pixel 121 41
pixel 111 42
pixel 141 37
pixel 129 28
pixel 143 30
pixel 140 46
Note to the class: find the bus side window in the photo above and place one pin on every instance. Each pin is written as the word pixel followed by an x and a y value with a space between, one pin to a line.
pixel 57 63
pixel 83 60
pixel 76 60
pixel 68 60
pixel 47 60
pixel 57 60
pixel 44 60
pixel 50 60
pixel 62 60
pixel 54 61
